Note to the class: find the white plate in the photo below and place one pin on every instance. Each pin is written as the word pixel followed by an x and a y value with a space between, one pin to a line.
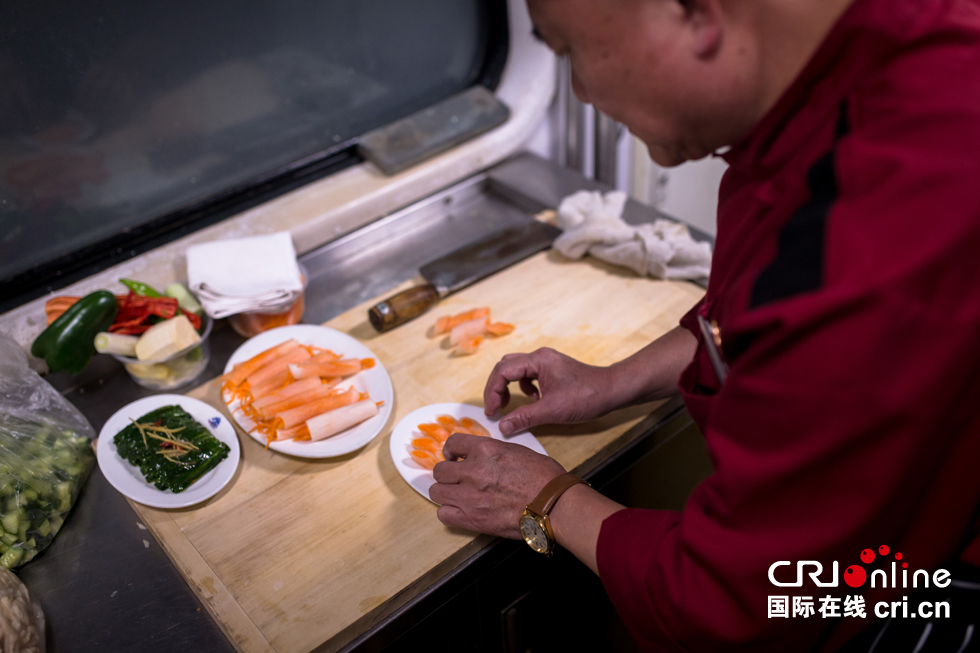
pixel 129 480
pixel 406 430
pixel 375 381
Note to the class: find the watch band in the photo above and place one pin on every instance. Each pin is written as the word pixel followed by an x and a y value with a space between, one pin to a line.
pixel 549 495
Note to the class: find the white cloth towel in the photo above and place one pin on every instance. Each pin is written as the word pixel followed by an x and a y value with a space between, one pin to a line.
pixel 664 249
pixel 244 274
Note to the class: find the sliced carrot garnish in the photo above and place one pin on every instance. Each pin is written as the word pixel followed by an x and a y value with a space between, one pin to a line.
pixel 427 459
pixel 474 427
pixel 446 324
pixel 435 431
pixel 499 328
pixel 448 421
pixel 427 444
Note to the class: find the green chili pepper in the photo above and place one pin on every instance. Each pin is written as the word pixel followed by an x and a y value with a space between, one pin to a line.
pixel 140 288
pixel 69 342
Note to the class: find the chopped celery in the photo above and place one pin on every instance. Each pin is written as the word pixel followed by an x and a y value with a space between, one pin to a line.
pixel 11 557
pixel 10 522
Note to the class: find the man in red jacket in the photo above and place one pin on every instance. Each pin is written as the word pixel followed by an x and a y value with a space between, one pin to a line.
pixel 838 393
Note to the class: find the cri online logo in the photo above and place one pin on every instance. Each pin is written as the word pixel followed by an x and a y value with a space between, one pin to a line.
pixel 856 576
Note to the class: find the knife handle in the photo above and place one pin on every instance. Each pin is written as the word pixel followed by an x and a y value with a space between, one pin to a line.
pixel 406 305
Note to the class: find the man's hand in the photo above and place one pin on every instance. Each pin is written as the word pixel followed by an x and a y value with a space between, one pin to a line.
pixel 484 484
pixel 567 392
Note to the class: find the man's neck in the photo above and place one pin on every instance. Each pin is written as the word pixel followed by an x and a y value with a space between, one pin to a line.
pixel 790 32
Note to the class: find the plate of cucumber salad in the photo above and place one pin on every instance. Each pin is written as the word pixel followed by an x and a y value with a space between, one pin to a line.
pixel 168 451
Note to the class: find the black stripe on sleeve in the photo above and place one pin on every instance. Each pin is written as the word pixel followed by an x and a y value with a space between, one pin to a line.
pixel 798 266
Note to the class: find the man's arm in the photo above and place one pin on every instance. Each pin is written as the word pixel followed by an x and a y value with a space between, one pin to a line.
pixel 485 484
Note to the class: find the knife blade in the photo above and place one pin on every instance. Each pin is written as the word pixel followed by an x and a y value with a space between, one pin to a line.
pixel 461 268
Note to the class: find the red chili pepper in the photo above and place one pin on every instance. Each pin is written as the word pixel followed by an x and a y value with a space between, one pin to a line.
pixel 195 320
pixel 131 331
pixel 135 310
pixel 165 307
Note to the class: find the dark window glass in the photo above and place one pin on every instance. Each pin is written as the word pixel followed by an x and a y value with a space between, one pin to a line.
pixel 114 114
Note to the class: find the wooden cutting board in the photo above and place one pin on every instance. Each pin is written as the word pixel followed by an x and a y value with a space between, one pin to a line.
pixel 297 553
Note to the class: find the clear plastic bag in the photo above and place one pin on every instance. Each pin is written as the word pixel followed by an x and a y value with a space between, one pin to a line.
pixel 21 618
pixel 45 457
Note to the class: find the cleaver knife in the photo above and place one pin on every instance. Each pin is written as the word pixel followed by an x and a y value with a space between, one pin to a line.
pixel 463 267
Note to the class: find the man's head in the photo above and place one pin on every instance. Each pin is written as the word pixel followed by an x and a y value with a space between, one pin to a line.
pixel 686 76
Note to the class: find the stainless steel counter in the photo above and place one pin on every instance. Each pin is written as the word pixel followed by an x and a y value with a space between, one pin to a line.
pixel 104 583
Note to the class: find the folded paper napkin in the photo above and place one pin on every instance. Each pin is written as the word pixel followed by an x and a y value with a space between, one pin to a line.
pixel 244 274
pixel 663 249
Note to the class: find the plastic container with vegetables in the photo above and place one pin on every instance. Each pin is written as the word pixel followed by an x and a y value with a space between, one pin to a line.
pixel 172 348
pixel 160 338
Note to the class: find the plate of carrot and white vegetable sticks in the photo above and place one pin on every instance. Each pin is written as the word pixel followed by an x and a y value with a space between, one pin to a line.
pixel 307 391
pixel 416 441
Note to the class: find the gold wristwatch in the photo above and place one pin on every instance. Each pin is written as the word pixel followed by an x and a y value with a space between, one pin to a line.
pixel 534 523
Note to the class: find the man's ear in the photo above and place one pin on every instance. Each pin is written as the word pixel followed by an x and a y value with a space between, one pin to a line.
pixel 704 18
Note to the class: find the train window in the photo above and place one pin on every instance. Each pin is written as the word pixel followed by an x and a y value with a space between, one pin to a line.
pixel 126 124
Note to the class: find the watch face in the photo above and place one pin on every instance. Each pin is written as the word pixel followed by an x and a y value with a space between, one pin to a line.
pixel 534 534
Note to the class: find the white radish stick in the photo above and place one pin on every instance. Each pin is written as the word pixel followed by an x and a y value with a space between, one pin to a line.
pixel 468 330
pixel 341 419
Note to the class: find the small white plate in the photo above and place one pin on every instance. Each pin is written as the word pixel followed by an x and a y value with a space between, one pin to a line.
pixel 400 443
pixel 129 480
pixel 375 381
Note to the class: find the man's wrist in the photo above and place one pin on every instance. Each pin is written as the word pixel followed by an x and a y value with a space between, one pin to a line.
pixel 625 384
pixel 563 515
